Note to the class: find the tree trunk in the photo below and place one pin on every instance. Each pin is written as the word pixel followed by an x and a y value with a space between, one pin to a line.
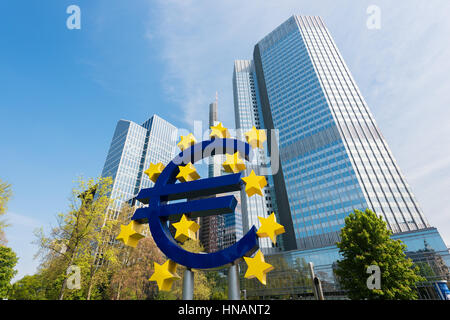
pixel 118 291
pixel 63 287
pixel 91 282
pixel 89 291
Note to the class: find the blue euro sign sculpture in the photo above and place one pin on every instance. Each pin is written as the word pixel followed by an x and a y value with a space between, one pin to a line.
pixel 159 212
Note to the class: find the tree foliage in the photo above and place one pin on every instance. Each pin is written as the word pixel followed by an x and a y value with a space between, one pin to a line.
pixel 81 238
pixel 131 280
pixel 8 261
pixel 5 195
pixel 84 236
pixel 29 288
pixel 202 286
pixel 365 241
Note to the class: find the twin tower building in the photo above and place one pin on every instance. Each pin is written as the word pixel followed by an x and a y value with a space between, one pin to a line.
pixel 325 155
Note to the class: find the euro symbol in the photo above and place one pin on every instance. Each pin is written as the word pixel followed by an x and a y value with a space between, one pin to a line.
pixel 159 211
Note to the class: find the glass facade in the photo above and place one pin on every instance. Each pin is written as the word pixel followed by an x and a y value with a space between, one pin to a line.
pixel 220 231
pixel 417 243
pixel 247 115
pixel 333 156
pixel 132 149
pixel 291 278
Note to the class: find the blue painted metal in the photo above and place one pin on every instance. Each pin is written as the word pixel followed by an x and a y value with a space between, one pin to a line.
pixel 158 213
pixel 196 188
pixel 195 208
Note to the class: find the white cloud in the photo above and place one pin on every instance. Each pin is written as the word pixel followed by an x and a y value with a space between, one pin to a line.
pixel 22 221
pixel 402 71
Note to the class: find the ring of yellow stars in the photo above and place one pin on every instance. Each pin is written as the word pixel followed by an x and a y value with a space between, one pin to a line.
pixel 130 234
pixel 165 275
pixel 270 228
pixel 187 173
pixel 154 171
pixel 233 163
pixel 257 267
pixel 256 137
pixel 254 184
pixel 186 229
pixel 186 141
pixel 219 131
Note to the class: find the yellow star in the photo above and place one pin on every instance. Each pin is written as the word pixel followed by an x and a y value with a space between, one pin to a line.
pixel 257 267
pixel 186 141
pixel 187 173
pixel 233 163
pixel 254 184
pixel 130 234
pixel 255 137
pixel 186 229
pixel 219 131
pixel 165 274
pixel 154 171
pixel 270 228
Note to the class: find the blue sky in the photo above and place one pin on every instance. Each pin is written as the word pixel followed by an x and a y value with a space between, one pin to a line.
pixel 62 91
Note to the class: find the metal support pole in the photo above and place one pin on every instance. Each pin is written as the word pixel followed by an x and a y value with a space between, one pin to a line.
pixel 188 285
pixel 311 271
pixel 316 284
pixel 234 292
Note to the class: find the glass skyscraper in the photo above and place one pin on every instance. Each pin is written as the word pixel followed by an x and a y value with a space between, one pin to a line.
pixel 132 148
pixel 333 157
pixel 247 115
pixel 220 231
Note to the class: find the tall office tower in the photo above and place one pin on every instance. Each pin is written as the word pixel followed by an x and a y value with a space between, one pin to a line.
pixel 333 158
pixel 212 227
pixel 132 149
pixel 215 163
pixel 220 231
pixel 247 114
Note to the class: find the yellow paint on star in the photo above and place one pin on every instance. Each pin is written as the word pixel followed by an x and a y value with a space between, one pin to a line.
pixel 219 131
pixel 165 275
pixel 233 163
pixel 154 171
pixel 254 184
pixel 257 267
pixel 186 141
pixel 256 137
pixel 187 173
pixel 270 228
pixel 186 229
pixel 130 234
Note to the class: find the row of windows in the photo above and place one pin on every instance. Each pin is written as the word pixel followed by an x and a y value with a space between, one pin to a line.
pixel 338 84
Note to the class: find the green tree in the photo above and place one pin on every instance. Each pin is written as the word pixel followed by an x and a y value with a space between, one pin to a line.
pixel 218 285
pixel 5 195
pixel 29 288
pixel 129 279
pixel 8 261
pixel 425 270
pixel 202 288
pixel 365 241
pixel 82 237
